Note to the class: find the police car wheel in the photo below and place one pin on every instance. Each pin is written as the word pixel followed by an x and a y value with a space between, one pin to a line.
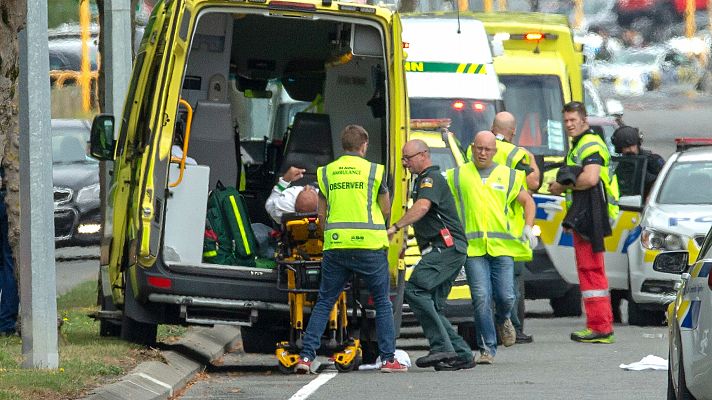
pixel 568 305
pixel 682 393
pixel 638 316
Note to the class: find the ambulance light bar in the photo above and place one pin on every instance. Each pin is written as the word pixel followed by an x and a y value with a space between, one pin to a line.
pixel 291 6
pixel 531 36
pixel 430 123
pixel 685 143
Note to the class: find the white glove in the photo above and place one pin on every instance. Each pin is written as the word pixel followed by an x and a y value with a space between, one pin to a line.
pixel 531 237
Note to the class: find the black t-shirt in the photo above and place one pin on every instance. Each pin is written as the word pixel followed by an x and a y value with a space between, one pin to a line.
pixel 431 185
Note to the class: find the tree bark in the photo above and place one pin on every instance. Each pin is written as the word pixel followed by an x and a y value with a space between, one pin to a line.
pixel 12 20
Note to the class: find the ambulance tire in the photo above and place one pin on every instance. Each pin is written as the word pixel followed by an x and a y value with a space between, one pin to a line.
pixel 469 333
pixel 107 327
pixel 568 305
pixel 138 332
pixel 369 351
pixel 638 316
pixel 261 340
pixel 134 331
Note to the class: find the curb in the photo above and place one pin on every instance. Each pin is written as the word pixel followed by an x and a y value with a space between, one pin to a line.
pixel 157 380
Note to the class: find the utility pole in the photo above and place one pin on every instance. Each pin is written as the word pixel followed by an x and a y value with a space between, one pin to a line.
pixel 85 68
pixel 487 5
pixel 578 13
pixel 37 266
pixel 690 24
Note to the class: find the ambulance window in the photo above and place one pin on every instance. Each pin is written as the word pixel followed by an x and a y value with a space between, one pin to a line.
pixel 442 157
pixel 536 101
pixel 468 116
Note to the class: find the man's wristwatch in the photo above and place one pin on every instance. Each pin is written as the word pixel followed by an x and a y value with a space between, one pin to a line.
pixel 395 225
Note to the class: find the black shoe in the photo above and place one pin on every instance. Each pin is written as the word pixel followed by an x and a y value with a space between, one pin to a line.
pixel 455 365
pixel 523 338
pixel 433 359
pixel 8 333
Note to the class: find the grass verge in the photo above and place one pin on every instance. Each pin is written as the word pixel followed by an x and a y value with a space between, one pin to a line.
pixel 86 360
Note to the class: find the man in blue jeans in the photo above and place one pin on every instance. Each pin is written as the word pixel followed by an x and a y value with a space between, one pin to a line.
pixel 485 193
pixel 9 302
pixel 353 206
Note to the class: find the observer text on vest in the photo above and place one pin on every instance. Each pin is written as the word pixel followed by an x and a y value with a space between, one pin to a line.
pixel 345 185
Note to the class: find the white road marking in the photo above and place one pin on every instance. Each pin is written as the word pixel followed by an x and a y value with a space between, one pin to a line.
pixel 156 381
pixel 312 386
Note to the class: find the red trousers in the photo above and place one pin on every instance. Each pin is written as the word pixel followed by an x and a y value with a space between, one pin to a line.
pixel 594 286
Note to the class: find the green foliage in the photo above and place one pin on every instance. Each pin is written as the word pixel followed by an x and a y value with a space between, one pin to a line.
pixel 61 11
pixel 86 360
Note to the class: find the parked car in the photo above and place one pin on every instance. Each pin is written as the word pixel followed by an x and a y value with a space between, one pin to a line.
pixel 75 177
pixel 689 323
pixel 676 217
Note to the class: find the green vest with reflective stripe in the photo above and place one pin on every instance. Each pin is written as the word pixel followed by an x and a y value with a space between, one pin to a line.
pixel 510 155
pixel 353 215
pixel 484 208
pixel 590 144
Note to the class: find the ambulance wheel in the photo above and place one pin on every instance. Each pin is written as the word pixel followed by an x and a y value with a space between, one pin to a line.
pixel 350 366
pixel 138 332
pixel 467 331
pixel 284 369
pixel 369 351
pixel 568 305
pixel 107 327
pixel 261 340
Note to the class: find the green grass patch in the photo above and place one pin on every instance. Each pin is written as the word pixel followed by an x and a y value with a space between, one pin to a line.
pixel 86 360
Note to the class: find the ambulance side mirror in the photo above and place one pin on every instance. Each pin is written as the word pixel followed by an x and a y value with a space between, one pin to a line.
pixel 101 138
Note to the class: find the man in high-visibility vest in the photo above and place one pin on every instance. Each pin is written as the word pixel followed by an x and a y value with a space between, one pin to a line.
pixel 591 153
pixel 354 204
pixel 504 128
pixel 442 242
pixel 485 194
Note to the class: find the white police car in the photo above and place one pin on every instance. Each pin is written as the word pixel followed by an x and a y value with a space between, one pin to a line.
pixel 689 323
pixel 676 217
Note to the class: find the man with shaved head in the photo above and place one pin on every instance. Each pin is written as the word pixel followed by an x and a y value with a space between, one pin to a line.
pixel 485 194
pixel 443 246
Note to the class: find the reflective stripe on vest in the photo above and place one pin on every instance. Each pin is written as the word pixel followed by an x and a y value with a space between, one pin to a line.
pixel 588 294
pixel 346 226
pixel 610 181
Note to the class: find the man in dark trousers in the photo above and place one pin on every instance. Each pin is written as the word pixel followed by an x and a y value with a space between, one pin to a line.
pixel 443 246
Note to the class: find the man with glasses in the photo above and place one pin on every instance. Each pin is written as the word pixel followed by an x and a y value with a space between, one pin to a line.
pixel 590 153
pixel 485 193
pixel 443 246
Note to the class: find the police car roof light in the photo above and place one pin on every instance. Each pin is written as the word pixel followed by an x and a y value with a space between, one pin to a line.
pixel 685 143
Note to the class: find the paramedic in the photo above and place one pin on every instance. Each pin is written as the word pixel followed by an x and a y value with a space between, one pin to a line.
pixel 591 153
pixel 441 240
pixel 354 202
pixel 485 193
pixel 504 128
pixel 285 199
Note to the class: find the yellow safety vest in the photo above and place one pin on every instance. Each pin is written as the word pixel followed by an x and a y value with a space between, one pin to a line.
pixel 485 208
pixel 590 144
pixel 353 217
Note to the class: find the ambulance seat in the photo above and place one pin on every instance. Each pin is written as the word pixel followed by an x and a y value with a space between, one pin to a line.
pixel 309 145
pixel 212 142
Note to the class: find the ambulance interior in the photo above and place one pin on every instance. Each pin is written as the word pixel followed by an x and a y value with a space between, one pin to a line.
pixel 268 92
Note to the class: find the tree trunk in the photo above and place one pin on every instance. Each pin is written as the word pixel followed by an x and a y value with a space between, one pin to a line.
pixel 12 20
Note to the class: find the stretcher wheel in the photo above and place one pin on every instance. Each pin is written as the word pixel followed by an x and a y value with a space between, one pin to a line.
pixel 285 370
pixel 354 364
